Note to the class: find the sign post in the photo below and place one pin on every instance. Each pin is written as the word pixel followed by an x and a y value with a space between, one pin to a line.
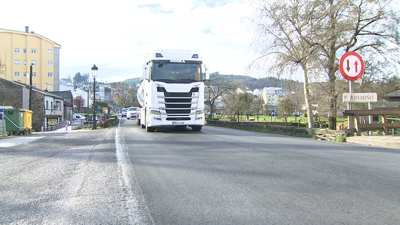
pixel 351 67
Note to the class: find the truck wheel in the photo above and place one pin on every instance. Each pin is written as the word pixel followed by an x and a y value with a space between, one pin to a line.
pixel 150 129
pixel 138 121
pixel 196 128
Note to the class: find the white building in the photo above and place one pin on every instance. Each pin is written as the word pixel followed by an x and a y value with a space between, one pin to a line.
pixel 272 95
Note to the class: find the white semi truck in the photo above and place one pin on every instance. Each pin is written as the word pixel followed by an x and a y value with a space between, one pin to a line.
pixel 171 92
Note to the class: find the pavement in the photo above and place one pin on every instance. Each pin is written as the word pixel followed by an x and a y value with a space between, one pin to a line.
pixel 387 141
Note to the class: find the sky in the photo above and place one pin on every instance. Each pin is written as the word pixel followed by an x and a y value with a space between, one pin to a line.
pixel 116 35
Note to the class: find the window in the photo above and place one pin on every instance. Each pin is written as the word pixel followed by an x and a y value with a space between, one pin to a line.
pixel 50 87
pixel 25 74
pixel 49 74
pixel 16 74
pixel 33 62
pixel 16 50
pixel 33 74
pixel 24 62
pixel 47 104
pixel 49 63
pixel 24 50
pixel 16 62
pixel 33 51
pixel 50 51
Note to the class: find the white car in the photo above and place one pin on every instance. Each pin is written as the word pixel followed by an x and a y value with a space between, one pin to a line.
pixel 131 113
pixel 79 117
pixel 124 111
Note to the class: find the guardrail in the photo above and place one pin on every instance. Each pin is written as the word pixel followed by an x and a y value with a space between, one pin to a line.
pixel 372 126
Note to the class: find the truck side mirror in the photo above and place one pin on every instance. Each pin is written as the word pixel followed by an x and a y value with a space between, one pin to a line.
pixel 144 73
pixel 207 73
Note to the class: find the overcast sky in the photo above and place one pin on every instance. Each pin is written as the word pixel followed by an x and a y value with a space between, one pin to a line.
pixel 115 35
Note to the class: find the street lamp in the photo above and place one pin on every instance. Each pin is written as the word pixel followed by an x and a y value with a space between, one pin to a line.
pixel 94 74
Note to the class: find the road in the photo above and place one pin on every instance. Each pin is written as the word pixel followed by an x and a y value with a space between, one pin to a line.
pixel 124 175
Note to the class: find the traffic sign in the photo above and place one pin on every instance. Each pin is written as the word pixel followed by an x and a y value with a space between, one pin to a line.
pixel 360 97
pixel 351 66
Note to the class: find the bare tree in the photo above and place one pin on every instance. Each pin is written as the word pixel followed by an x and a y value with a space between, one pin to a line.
pixel 125 95
pixel 286 108
pixel 237 103
pixel 277 25
pixel 329 28
pixel 257 106
pixel 78 102
pixel 215 89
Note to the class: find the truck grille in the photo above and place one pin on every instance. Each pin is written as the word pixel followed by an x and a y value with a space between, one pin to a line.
pixel 177 106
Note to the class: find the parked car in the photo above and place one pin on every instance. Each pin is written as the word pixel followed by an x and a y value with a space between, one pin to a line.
pixel 90 120
pixel 79 117
pixel 131 113
pixel 124 111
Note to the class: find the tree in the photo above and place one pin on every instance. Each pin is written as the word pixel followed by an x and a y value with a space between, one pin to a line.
pixel 79 102
pixel 257 106
pixel 237 103
pixel 125 95
pixel 80 79
pixel 102 105
pixel 277 39
pixel 329 28
pixel 286 108
pixel 215 88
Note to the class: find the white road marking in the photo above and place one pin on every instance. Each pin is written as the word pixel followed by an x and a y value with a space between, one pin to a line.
pixel 137 210
pixel 11 142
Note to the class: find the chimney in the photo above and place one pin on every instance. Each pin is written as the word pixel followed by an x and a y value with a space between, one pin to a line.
pixel 26 29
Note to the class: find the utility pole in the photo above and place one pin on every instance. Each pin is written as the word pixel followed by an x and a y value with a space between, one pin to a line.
pixel 30 88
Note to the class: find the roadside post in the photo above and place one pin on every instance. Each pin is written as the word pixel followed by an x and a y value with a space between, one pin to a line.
pixel 352 67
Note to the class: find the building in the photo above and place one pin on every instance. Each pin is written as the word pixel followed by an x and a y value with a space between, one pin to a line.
pixel 272 95
pixel 19 50
pixel 48 109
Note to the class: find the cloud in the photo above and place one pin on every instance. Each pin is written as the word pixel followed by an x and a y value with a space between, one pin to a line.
pixel 210 3
pixel 208 30
pixel 156 8
pixel 116 36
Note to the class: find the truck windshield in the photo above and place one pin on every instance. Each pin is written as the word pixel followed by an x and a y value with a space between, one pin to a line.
pixel 177 72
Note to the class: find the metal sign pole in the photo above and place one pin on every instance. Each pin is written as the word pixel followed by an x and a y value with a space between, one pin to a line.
pixel 350 107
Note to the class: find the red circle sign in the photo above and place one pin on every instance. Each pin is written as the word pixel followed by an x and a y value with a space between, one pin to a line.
pixel 351 66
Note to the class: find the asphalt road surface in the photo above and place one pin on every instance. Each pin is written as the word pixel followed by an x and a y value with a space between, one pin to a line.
pixel 124 175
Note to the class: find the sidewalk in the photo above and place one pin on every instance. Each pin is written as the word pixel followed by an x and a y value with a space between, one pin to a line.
pixel 387 141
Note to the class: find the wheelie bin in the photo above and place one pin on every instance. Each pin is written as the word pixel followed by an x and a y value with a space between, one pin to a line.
pixel 14 120
pixel 28 121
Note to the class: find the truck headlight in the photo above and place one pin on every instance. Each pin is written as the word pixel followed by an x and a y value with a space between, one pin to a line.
pixel 199 112
pixel 155 113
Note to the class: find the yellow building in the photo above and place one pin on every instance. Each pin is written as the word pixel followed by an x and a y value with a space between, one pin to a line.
pixel 19 50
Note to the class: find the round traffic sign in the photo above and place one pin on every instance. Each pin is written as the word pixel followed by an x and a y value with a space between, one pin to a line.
pixel 351 66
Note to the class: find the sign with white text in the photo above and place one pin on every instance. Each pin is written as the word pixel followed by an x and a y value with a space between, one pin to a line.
pixel 360 97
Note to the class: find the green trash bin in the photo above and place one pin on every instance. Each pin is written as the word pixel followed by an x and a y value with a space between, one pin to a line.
pixel 14 120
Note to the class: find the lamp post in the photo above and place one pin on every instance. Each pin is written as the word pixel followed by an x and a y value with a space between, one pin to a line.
pixel 94 74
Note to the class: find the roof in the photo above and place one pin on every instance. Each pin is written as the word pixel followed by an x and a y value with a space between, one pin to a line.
pixel 33 88
pixel 32 33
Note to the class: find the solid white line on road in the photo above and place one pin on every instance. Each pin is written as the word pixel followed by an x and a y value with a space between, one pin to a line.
pixel 11 142
pixel 137 210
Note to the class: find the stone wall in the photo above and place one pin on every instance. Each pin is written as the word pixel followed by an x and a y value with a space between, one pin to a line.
pixel 12 95
pixel 320 134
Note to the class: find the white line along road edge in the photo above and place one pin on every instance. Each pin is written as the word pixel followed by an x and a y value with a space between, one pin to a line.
pixel 137 209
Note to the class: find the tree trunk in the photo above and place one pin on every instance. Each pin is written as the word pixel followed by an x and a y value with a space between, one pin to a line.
pixel 307 97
